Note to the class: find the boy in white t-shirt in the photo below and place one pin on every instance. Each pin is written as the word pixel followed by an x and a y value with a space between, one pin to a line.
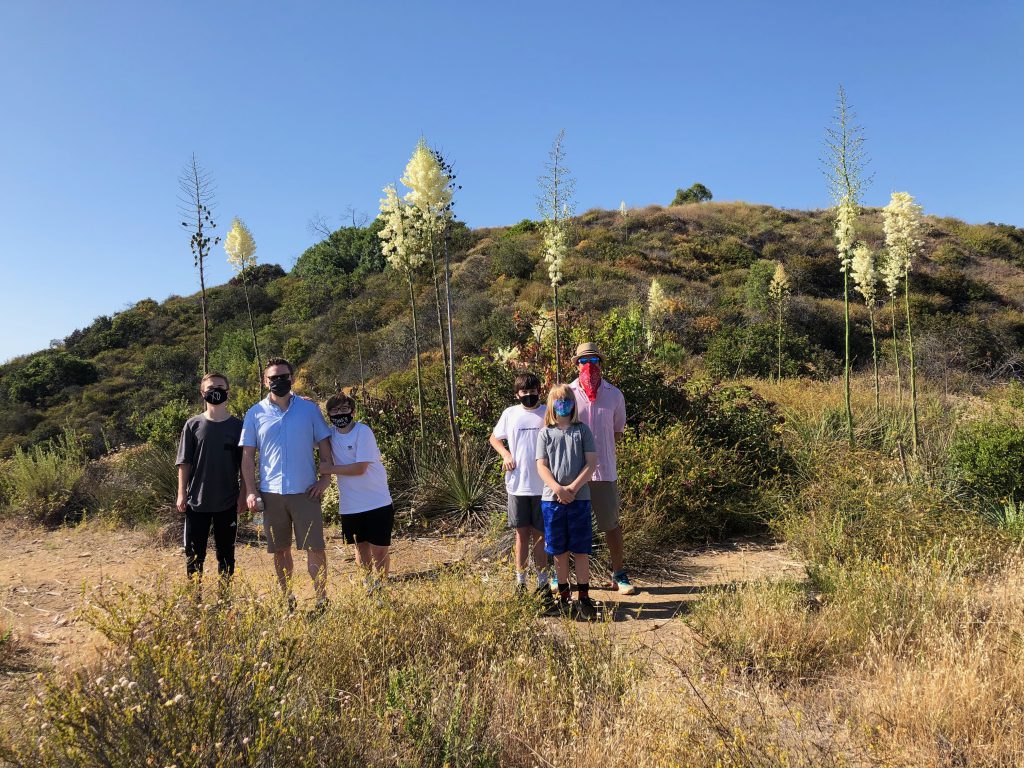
pixel 520 425
pixel 364 501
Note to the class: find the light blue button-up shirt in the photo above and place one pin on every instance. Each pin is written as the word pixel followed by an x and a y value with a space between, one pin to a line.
pixel 285 441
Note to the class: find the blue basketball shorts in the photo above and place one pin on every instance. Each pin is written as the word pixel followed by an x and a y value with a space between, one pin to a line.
pixel 567 527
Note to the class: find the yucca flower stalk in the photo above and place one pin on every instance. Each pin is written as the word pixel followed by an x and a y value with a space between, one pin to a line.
pixel 624 215
pixel 844 167
pixel 865 277
pixel 401 249
pixel 779 290
pixel 657 310
pixel 429 199
pixel 892 274
pixel 901 221
pixel 241 250
pixel 556 204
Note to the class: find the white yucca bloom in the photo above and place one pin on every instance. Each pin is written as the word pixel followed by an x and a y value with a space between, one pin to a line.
pixel 398 236
pixel 430 193
pixel 901 222
pixel 657 302
pixel 846 225
pixel 505 355
pixel 864 273
pixel 240 246
pixel 554 249
pixel 623 210
pixel 543 326
pixel 779 288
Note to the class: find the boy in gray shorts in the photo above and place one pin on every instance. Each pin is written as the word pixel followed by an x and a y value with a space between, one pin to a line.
pixel 519 425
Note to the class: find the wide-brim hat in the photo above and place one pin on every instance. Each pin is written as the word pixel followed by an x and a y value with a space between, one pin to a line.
pixel 586 349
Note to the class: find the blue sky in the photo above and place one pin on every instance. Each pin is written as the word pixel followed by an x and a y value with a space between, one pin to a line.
pixel 304 108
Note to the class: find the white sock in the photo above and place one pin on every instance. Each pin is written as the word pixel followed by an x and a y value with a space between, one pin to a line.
pixel 521 577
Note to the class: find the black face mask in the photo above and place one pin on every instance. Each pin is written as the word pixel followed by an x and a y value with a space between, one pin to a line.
pixel 215 396
pixel 341 421
pixel 529 400
pixel 280 387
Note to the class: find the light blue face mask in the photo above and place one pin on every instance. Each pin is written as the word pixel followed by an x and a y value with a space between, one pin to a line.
pixel 564 407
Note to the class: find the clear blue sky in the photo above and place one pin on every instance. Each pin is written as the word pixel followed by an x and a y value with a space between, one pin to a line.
pixel 299 108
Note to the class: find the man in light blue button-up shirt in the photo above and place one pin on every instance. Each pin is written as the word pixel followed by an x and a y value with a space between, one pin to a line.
pixel 285 428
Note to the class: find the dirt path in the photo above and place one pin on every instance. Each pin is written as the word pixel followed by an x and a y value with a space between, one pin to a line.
pixel 48 576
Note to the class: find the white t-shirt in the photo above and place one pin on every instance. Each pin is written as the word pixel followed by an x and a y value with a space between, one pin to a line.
pixel 359 493
pixel 521 427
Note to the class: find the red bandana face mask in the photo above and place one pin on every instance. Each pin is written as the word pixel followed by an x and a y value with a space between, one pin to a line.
pixel 590 379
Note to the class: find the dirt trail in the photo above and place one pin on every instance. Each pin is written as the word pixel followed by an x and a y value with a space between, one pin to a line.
pixel 49 575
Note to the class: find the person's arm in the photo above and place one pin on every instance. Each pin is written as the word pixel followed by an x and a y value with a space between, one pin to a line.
pixel 249 476
pixel 508 462
pixel 243 503
pixel 619 419
pixel 348 470
pixel 184 473
pixel 316 490
pixel 585 474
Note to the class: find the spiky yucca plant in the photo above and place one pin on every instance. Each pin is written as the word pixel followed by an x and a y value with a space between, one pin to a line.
pixel 241 250
pixel 779 290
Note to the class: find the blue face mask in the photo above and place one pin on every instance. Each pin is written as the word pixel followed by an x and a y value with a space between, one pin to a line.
pixel 564 407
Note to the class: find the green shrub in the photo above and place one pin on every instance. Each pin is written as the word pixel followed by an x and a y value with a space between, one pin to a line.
pixel 988 457
pixel 753 350
pixel 46 374
pixel 163 425
pixel 132 485
pixel 41 480
pixel 460 488
pixel 510 257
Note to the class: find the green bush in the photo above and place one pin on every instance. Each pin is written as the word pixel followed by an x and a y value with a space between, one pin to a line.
pixel 753 350
pixel 41 480
pixel 46 374
pixel 163 425
pixel 988 456
pixel 132 485
pixel 510 257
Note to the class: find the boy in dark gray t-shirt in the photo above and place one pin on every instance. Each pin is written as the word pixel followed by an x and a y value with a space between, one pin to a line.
pixel 209 490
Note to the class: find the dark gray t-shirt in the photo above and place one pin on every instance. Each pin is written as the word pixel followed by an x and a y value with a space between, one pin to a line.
pixel 565 452
pixel 211 447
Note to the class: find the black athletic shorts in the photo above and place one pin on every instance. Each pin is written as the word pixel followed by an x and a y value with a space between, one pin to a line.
pixel 372 527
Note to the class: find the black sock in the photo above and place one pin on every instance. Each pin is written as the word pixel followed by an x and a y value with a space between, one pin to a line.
pixel 563 591
pixel 584 590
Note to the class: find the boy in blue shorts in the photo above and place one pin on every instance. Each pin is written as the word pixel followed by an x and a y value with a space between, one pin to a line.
pixel 566 459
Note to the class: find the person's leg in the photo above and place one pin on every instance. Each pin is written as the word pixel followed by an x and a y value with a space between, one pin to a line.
pixel 523 534
pixel 562 569
pixel 582 571
pixel 284 567
pixel 614 540
pixel 197 531
pixel 605 501
pixel 225 527
pixel 364 555
pixel 379 557
pixel 316 564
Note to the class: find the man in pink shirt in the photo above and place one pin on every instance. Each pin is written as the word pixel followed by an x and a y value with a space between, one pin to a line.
pixel 602 407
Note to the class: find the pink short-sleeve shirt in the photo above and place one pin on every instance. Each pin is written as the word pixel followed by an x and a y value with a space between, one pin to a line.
pixel 606 416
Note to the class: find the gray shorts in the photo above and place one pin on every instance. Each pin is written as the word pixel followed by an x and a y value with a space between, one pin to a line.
pixel 604 500
pixel 524 511
pixel 284 511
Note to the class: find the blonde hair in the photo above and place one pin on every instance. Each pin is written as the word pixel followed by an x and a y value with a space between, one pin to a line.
pixel 560 392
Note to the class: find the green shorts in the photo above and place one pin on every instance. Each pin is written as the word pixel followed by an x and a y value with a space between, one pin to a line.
pixel 284 512
pixel 604 499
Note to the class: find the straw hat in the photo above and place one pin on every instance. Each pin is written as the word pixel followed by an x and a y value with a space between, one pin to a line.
pixel 586 349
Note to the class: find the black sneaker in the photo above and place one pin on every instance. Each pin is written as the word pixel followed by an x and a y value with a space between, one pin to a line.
pixel 565 606
pixel 293 603
pixel 544 596
pixel 585 609
pixel 319 609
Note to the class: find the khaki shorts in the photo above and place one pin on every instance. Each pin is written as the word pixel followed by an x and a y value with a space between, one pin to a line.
pixel 604 499
pixel 284 511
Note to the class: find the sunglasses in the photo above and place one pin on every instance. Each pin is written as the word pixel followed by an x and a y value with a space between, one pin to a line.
pixel 593 359
pixel 280 377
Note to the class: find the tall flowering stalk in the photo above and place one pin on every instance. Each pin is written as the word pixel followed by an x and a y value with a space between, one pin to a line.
pixel 657 310
pixel 865 277
pixel 195 203
pixel 241 250
pixel 624 216
pixel 892 274
pixel 401 248
pixel 901 221
pixel 429 200
pixel 844 167
pixel 779 290
pixel 556 205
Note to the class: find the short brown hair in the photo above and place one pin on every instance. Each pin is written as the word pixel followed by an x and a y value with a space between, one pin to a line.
pixel 339 400
pixel 271 362
pixel 214 375
pixel 526 380
pixel 560 392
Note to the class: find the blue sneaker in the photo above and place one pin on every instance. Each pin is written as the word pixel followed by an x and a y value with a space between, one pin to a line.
pixel 622 583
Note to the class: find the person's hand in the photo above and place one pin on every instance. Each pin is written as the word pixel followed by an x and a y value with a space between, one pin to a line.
pixel 180 503
pixel 508 463
pixel 243 504
pixel 316 490
pixel 566 495
pixel 250 502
